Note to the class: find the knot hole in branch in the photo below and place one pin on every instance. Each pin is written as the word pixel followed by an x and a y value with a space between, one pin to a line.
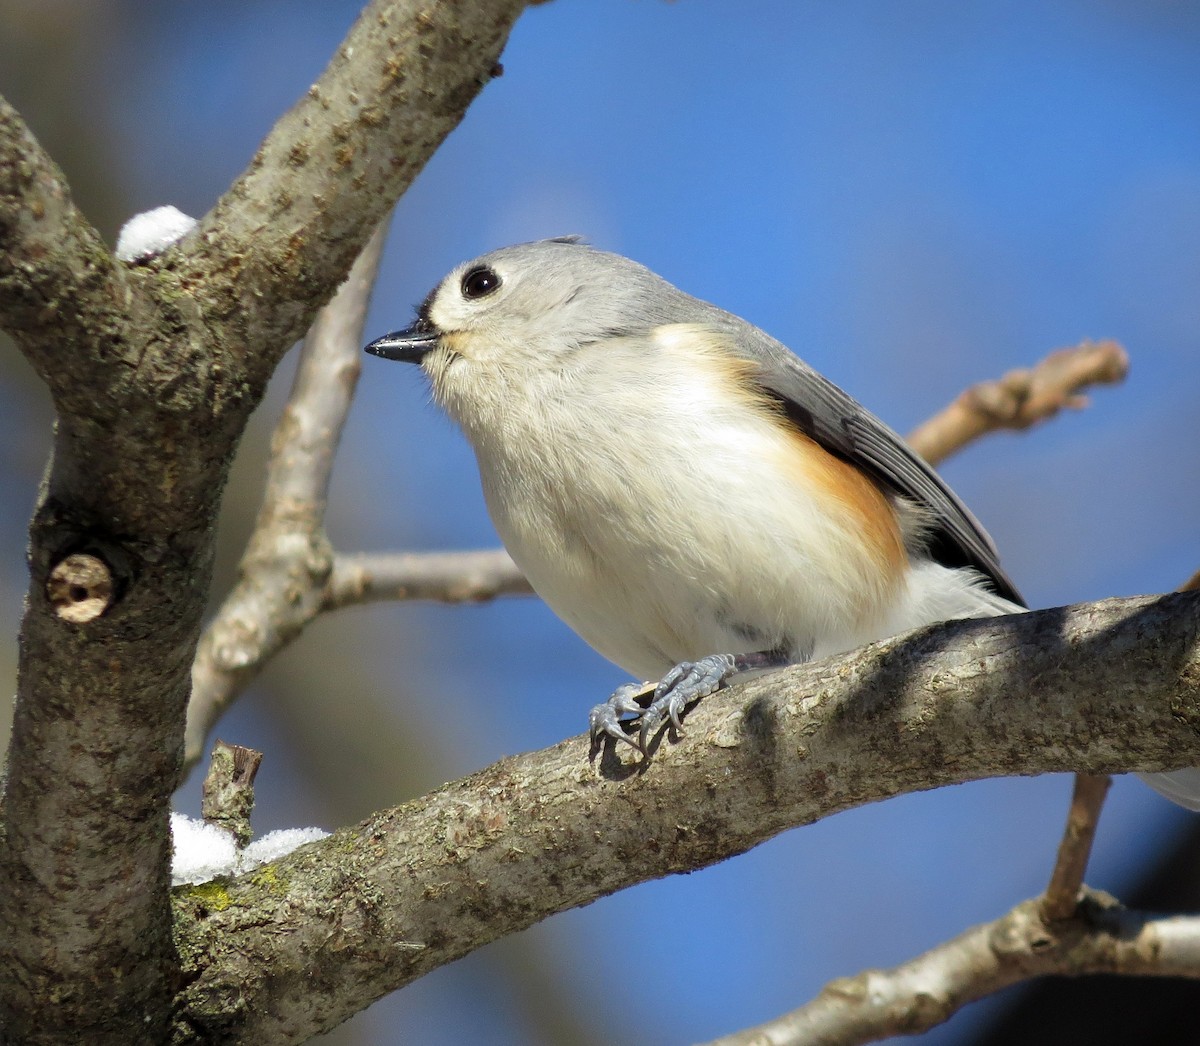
pixel 80 588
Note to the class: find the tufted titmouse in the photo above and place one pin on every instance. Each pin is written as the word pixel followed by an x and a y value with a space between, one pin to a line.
pixel 688 495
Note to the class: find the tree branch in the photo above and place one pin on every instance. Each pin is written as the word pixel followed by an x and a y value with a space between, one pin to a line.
pixel 1062 895
pixel 330 169
pixel 289 572
pixel 288 559
pixel 1021 398
pixel 154 371
pixel 227 798
pixel 1097 687
pixel 129 503
pixel 1099 937
pixel 447 577
pixel 327 374
pixel 1068 930
pixel 62 298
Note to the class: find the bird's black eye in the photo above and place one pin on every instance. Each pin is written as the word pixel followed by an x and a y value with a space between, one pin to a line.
pixel 480 282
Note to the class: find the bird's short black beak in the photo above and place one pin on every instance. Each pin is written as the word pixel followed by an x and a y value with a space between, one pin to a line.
pixel 409 345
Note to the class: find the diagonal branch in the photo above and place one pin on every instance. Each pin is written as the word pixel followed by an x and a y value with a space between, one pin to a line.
pixel 340 923
pixel 332 166
pixel 1099 937
pixel 288 559
pixel 1021 398
pixel 310 430
pixel 62 297
pixel 289 572
pixel 1062 895
pixel 1068 930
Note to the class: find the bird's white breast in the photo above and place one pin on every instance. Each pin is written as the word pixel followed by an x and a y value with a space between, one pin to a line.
pixel 669 515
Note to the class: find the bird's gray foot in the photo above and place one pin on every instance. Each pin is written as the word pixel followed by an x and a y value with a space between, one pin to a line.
pixel 686 683
pixel 605 720
pixel 649 705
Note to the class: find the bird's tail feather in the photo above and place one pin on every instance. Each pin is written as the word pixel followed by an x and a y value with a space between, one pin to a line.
pixel 1180 786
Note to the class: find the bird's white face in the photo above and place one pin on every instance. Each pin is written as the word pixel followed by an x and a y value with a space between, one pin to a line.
pixel 511 324
pixel 498 328
pixel 508 317
pixel 484 312
pixel 549 295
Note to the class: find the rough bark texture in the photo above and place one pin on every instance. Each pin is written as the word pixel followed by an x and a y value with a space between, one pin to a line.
pixel 154 370
pixel 294 948
pixel 285 234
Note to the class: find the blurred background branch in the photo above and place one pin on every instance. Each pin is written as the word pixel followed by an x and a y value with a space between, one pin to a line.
pixel 1021 398
pixel 1100 937
pixel 288 557
pixel 1068 931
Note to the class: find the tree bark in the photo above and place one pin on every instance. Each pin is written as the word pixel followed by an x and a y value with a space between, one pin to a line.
pixel 154 370
pixel 297 947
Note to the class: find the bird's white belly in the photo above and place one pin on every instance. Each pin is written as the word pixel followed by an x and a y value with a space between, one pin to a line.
pixel 684 539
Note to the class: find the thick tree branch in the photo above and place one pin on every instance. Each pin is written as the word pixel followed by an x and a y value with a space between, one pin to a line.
pixel 290 227
pixel 129 501
pixel 62 297
pixel 1099 687
pixel 1021 398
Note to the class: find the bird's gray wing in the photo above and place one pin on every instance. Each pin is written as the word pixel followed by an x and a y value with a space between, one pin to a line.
pixel 842 425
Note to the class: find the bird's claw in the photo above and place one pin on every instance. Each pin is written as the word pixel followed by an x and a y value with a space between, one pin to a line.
pixel 605 720
pixel 648 704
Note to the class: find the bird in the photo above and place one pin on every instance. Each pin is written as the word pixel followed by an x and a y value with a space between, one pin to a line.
pixel 686 493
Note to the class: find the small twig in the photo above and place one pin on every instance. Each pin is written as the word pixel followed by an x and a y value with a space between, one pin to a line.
pixel 447 577
pixel 1099 937
pixel 1066 881
pixel 1021 398
pixel 227 799
pixel 288 557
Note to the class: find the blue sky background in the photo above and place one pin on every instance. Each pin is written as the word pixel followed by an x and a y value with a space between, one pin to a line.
pixel 913 197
